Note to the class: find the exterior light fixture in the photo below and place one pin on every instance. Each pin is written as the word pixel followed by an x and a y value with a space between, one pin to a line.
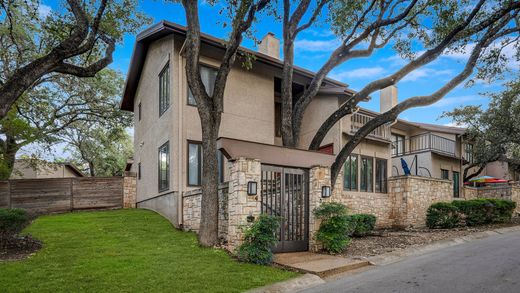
pixel 325 191
pixel 251 188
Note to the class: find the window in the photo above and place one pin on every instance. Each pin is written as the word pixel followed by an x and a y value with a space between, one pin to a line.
pixel 195 164
pixel 139 171
pixel 139 111
pixel 381 176
pixel 277 119
pixel 350 174
pixel 164 90
pixel 445 174
pixel 208 76
pixel 164 167
pixel 327 149
pixel 468 152
pixel 456 183
pixel 366 174
pixel 397 144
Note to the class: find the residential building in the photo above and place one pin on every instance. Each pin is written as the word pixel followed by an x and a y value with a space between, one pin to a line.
pixel 30 169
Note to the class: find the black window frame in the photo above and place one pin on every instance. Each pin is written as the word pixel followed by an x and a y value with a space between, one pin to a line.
pixel 456 183
pixel 396 151
pixel 199 159
pixel 164 147
pixel 139 111
pixel 381 180
pixel 365 177
pixel 468 152
pixel 164 89
pixel 139 171
pixel 445 174
pixel 350 186
pixel 194 103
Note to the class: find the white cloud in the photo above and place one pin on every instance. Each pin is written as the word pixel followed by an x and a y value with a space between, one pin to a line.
pixel 452 102
pixel 316 45
pixel 44 10
pixel 425 72
pixel 456 124
pixel 359 73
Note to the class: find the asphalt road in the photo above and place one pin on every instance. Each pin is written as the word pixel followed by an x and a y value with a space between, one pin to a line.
pixel 486 265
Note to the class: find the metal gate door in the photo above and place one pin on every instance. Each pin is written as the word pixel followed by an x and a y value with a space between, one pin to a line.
pixel 284 193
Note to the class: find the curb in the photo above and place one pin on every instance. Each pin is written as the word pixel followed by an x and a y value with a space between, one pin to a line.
pixel 293 285
pixel 396 256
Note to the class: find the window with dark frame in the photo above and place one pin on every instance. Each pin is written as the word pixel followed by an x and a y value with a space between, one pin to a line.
pixel 139 111
pixel 164 167
pixel 277 119
pixel 456 182
pixel 139 171
pixel 397 144
pixel 468 152
pixel 164 90
pixel 195 164
pixel 381 176
pixel 445 174
pixel 350 173
pixel 366 175
pixel 208 76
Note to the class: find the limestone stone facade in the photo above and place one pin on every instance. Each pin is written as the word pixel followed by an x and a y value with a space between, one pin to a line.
pixel 129 190
pixel 511 192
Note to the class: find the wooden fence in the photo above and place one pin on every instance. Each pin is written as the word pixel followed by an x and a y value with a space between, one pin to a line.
pixel 62 194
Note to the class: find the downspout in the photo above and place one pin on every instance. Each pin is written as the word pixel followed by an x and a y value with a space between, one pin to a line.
pixel 180 140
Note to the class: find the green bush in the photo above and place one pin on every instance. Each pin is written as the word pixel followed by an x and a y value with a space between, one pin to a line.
pixel 258 240
pixel 443 215
pixel 335 226
pixel 12 221
pixel 364 224
pixel 476 211
pixel 503 210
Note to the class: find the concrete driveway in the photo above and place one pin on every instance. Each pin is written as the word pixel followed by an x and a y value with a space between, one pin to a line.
pixel 486 265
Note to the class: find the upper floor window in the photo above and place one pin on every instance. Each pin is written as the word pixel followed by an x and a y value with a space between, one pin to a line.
pixel 350 173
pixel 468 152
pixel 139 111
pixel 164 90
pixel 366 174
pixel 277 119
pixel 208 76
pixel 164 167
pixel 397 144
pixel 139 171
pixel 381 175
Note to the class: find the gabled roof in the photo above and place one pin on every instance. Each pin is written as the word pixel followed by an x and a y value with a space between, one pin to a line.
pixel 165 28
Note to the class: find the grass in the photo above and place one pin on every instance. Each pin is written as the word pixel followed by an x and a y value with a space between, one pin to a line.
pixel 126 251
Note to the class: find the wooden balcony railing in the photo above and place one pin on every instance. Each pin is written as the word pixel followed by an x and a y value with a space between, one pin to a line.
pixel 358 120
pixel 425 142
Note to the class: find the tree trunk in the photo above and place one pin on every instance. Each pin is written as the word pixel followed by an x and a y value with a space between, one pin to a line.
pixel 208 233
pixel 91 169
pixel 10 148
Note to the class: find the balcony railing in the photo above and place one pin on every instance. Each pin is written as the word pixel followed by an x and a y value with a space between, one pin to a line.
pixel 424 142
pixel 358 120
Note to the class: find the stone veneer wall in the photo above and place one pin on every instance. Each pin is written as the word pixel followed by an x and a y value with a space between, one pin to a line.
pixel 129 190
pixel 412 196
pixel 191 210
pixel 501 192
pixel 515 196
pixel 318 176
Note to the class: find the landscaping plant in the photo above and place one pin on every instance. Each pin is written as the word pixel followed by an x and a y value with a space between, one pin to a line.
pixel 442 215
pixel 12 221
pixel 364 224
pixel 335 226
pixel 258 240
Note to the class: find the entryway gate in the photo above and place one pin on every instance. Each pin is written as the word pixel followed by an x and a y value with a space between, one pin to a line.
pixel 285 194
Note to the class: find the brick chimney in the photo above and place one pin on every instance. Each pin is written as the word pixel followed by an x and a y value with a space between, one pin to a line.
pixel 387 98
pixel 270 46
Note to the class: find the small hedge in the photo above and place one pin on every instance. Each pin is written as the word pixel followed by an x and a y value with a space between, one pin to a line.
pixel 258 240
pixel 335 226
pixel 12 221
pixel 364 224
pixel 473 212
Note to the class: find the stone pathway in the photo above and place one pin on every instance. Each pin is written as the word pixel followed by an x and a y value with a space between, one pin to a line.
pixel 322 265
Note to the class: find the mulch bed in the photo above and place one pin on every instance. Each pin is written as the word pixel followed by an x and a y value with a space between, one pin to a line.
pixel 19 247
pixel 384 241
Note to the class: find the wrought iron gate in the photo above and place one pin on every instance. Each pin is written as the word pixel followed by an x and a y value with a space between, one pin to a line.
pixel 284 193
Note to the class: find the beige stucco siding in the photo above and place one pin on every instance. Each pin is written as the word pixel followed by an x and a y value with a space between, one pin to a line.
pixel 316 113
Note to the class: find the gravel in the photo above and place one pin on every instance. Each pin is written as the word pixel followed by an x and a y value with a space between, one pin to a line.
pixel 384 241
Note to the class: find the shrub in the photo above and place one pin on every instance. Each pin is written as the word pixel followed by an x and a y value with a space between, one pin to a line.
pixel 258 240
pixel 476 211
pixel 12 221
pixel 335 226
pixel 503 210
pixel 363 223
pixel 443 215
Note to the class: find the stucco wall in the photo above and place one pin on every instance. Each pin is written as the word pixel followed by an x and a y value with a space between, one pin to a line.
pixel 164 204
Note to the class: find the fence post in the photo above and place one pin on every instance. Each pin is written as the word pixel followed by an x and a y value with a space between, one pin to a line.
pixel 72 194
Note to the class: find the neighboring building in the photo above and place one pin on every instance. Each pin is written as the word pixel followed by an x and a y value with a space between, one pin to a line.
pixel 24 169
pixel 168 156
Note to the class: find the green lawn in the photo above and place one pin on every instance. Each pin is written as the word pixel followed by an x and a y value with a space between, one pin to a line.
pixel 126 251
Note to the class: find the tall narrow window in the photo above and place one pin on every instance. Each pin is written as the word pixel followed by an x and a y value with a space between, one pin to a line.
pixel 397 144
pixel 164 90
pixel 468 152
pixel 139 171
pixel 208 76
pixel 456 182
pixel 367 177
pixel 221 162
pixel 139 111
pixel 445 174
pixel 164 167
pixel 350 174
pixel 194 163
pixel 381 176
pixel 277 119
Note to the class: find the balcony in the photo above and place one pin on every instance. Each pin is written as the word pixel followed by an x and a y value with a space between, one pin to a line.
pixel 357 121
pixel 424 142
